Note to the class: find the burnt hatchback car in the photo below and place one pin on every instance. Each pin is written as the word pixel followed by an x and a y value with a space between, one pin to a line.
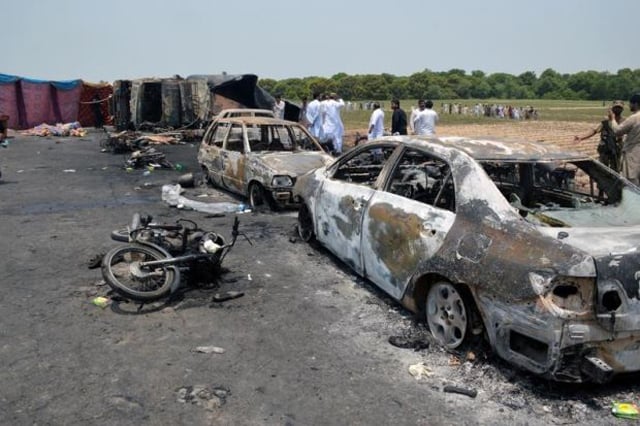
pixel 534 248
pixel 259 157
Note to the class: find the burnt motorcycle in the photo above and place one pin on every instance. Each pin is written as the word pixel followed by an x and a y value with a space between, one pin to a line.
pixel 151 263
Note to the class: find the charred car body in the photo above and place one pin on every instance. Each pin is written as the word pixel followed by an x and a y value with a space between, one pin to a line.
pixel 534 247
pixel 259 157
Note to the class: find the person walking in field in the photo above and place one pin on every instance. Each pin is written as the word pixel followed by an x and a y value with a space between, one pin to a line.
pixel 278 107
pixel 376 122
pixel 332 126
pixel 314 116
pixel 425 119
pixel 631 146
pixel 610 146
pixel 398 119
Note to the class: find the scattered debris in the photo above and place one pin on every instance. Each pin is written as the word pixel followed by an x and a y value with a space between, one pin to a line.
pixel 209 398
pixel 95 261
pixel 249 277
pixel 229 295
pixel 415 343
pixel 68 129
pixel 148 157
pixel 101 301
pixel 128 141
pixel 209 350
pixel 171 195
pixel 420 370
pixel 462 391
pixel 625 410
pixel 186 180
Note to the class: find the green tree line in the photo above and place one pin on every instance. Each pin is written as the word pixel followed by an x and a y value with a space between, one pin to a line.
pixel 458 84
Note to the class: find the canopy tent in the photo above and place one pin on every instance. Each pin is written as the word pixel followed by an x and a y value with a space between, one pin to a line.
pixel 29 102
pixel 94 104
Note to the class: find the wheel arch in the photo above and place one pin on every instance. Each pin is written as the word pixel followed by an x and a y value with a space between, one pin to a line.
pixel 415 295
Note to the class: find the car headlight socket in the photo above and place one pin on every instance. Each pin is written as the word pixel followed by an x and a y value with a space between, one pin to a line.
pixel 281 181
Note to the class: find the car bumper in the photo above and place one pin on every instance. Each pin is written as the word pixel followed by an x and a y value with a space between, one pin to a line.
pixel 566 350
pixel 284 197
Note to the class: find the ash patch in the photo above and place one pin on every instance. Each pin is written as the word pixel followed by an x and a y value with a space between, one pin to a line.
pixel 211 398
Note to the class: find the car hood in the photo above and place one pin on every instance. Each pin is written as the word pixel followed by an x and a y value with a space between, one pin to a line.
pixel 616 252
pixel 293 164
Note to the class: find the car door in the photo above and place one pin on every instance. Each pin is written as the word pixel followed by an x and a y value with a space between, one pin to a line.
pixel 234 159
pixel 343 199
pixel 407 222
pixel 210 154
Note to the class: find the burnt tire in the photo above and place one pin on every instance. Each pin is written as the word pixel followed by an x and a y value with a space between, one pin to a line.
pixel 122 271
pixel 259 200
pixel 305 224
pixel 121 235
pixel 449 314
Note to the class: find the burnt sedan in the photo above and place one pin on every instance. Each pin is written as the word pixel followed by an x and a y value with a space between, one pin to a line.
pixel 259 157
pixel 533 248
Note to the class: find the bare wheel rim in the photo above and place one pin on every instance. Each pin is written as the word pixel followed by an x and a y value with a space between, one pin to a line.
pixel 305 224
pixel 256 195
pixel 447 315
pixel 122 271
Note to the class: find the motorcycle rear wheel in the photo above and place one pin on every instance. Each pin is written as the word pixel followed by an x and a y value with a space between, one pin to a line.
pixel 122 271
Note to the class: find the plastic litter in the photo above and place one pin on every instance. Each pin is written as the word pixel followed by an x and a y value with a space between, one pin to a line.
pixel 209 350
pixel 420 370
pixel 625 410
pixel 171 195
pixel 101 301
pixel 69 170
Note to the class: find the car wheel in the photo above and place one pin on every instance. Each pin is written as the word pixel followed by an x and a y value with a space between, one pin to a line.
pixel 448 314
pixel 257 197
pixel 305 224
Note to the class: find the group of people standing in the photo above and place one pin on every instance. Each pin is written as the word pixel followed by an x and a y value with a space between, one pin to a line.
pixel 322 116
pixel 422 121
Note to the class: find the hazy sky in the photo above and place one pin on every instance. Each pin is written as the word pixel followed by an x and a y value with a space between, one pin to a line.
pixel 124 39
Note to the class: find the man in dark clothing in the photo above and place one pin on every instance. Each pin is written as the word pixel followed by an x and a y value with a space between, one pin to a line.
pixel 610 146
pixel 398 119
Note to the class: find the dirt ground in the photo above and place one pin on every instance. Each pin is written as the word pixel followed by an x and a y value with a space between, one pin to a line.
pixel 559 133
pixel 308 343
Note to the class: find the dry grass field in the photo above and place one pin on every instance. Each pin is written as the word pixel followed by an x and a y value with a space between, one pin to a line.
pixel 559 133
pixel 558 123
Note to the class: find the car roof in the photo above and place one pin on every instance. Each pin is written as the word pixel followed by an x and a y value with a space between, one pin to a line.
pixel 245 110
pixel 257 120
pixel 498 149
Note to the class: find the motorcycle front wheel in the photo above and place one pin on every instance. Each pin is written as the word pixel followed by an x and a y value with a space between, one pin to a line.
pixel 122 270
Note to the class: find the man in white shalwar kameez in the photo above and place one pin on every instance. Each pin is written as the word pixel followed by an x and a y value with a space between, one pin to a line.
pixel 332 126
pixel 314 116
